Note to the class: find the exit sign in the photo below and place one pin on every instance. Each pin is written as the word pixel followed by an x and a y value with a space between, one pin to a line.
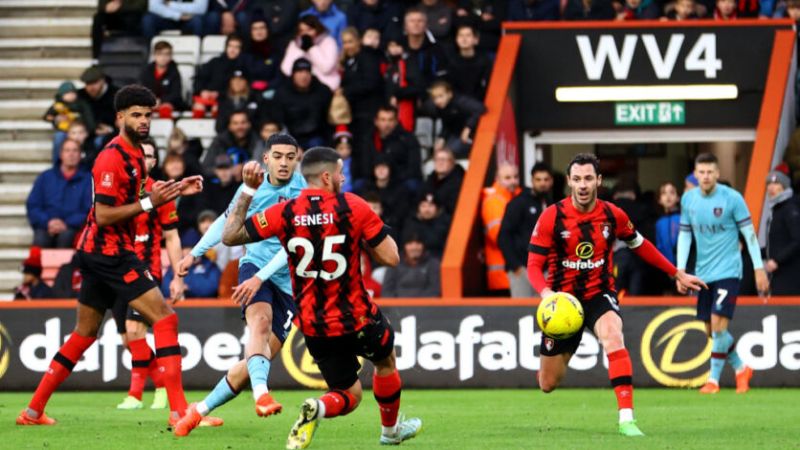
pixel 649 113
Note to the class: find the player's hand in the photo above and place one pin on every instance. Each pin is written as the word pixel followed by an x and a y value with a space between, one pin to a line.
pixel 688 282
pixel 185 264
pixel 164 192
pixel 243 294
pixel 253 174
pixel 681 288
pixel 177 289
pixel 762 283
pixel 546 292
pixel 191 185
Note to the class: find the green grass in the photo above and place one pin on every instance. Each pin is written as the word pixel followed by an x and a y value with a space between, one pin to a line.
pixel 455 419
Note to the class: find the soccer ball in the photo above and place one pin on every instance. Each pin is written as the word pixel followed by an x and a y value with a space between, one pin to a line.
pixel 560 315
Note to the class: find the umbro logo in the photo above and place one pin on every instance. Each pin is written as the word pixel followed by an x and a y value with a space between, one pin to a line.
pixel 565 234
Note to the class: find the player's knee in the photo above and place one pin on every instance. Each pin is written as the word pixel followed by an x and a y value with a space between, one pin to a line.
pixel 547 384
pixel 260 324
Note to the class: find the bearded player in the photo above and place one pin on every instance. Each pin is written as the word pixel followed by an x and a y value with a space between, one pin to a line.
pixel 322 232
pixel 575 238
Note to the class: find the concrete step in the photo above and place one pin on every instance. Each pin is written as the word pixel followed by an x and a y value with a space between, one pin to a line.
pixel 65 68
pixel 47 8
pixel 15 237
pixel 45 47
pixel 16 89
pixel 24 109
pixel 20 172
pixel 13 216
pixel 26 151
pixel 9 279
pixel 21 27
pixel 14 193
pixel 11 259
pixel 25 130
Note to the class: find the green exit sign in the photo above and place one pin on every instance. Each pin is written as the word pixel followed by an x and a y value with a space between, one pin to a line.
pixel 649 113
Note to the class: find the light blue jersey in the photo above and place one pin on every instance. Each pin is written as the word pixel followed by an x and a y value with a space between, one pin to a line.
pixel 715 221
pixel 260 253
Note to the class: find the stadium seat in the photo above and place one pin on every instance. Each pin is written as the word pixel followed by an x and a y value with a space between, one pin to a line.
pixel 185 49
pixel 160 129
pixel 122 58
pixel 213 45
pixel 423 129
pixel 202 129
pixel 187 80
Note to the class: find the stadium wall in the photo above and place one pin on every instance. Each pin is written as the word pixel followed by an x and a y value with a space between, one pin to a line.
pixel 447 343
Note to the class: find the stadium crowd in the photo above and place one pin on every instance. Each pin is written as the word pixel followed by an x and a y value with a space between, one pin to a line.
pixel 357 75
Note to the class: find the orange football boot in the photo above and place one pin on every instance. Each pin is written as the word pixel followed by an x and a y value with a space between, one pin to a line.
pixel 743 380
pixel 24 419
pixel 709 388
pixel 267 406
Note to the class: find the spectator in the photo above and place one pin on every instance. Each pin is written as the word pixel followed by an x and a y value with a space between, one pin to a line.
pixel 220 254
pixel 689 183
pixel 212 77
pixel 371 39
pixel 392 193
pixel 421 46
pixel 431 223
pixel 589 10
pixel 668 225
pixel 631 272
pixel 403 82
pixel 525 10
pixel 268 128
pixel 343 143
pixel 162 77
pixel 330 16
pixel 262 55
pixel 238 142
pixel 783 236
pixel 281 16
pixel 225 16
pixel 68 279
pixel 468 69
pixel 399 148
pixel 314 44
pixel 60 200
pixel 202 281
pixel 417 275
pixel 445 181
pixel 362 84
pixel 66 109
pixel 219 191
pixel 184 15
pixel 79 133
pixel 459 114
pixel 32 287
pixel 439 17
pixel 303 105
pixel 99 93
pixel 486 16
pixel 120 16
pixel 381 15
pixel 784 9
pixel 188 150
pixel 375 203
pixel 519 219
pixel 683 10
pixel 725 10
pixel 639 10
pixel 493 206
pixel 238 97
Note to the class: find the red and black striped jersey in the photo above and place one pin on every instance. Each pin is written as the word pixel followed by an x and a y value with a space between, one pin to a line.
pixel 149 232
pixel 117 179
pixel 322 233
pixel 579 246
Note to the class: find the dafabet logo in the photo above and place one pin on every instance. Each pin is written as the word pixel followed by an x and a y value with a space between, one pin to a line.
pixel 675 348
pixel 5 350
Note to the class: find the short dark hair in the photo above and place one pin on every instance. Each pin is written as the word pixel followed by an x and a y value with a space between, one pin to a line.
pixel 317 156
pixel 582 159
pixel 386 108
pixel 238 111
pixel 233 37
pixel 471 27
pixel 441 84
pixel 281 139
pixel 313 22
pixel 541 167
pixel 134 95
pixel 149 141
pixel 162 45
pixel 706 158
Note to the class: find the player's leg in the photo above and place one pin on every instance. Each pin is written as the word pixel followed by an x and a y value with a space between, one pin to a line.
pixel 141 357
pixel 89 319
pixel 554 355
pixel 259 355
pixel 723 347
pixel 705 302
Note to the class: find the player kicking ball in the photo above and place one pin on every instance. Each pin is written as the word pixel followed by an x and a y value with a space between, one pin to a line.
pixel 575 236
pixel 322 231
pixel 715 215
pixel 264 291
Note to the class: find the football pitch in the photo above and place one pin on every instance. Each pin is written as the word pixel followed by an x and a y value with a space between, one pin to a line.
pixel 453 419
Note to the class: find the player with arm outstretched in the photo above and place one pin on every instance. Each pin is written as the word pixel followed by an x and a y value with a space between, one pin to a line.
pixel 110 269
pixel 264 291
pixel 714 215
pixel 322 231
pixel 575 238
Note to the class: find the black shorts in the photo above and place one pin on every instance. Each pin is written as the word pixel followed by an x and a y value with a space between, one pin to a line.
pixel 593 309
pixel 110 279
pixel 337 357
pixel 719 299
pixel 283 307
pixel 122 312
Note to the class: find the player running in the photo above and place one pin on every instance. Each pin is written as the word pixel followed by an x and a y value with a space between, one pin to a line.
pixel 109 267
pixel 264 291
pixel 715 215
pixel 323 230
pixel 575 237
